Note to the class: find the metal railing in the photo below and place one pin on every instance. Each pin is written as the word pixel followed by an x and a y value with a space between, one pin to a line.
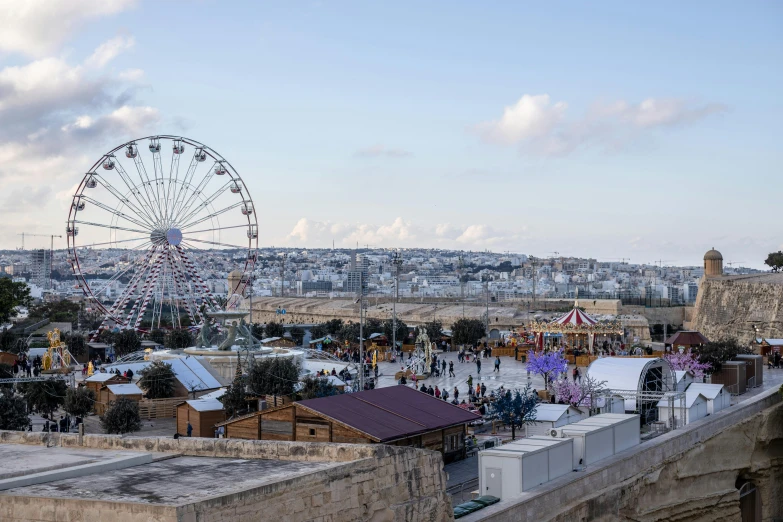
pixel 752 382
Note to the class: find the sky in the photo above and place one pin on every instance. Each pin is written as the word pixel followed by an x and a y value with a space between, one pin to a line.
pixel 646 131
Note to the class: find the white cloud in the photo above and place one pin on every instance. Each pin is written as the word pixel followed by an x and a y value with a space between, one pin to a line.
pixel 541 127
pixel 37 27
pixel 531 117
pixel 108 50
pixel 399 233
pixel 58 118
pixel 377 151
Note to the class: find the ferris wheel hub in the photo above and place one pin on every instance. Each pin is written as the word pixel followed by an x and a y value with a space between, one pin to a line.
pixel 174 236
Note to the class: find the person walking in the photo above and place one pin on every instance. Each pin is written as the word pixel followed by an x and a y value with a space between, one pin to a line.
pixel 483 389
pixel 445 395
pixel 497 364
pixel 443 365
pixel 470 381
pixel 575 373
pixel 456 393
pixel 451 369
pixel 478 390
pixel 437 393
pixel 478 365
pixel 190 429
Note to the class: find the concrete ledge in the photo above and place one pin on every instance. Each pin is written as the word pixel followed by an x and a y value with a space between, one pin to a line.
pixel 75 471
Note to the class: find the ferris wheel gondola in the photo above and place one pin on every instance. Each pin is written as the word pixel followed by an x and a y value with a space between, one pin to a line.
pixel 152 224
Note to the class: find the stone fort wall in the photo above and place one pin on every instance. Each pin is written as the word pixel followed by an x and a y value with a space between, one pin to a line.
pixel 731 306
pixel 375 482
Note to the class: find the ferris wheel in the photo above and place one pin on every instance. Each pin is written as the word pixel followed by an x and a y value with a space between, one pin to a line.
pixel 145 228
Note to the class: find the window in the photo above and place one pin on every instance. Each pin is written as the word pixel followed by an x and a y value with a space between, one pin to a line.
pixel 312 432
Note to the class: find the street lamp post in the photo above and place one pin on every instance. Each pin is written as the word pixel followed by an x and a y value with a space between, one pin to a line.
pixel 397 261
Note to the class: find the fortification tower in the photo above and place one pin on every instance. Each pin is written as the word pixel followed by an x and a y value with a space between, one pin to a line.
pixel 713 263
pixel 234 281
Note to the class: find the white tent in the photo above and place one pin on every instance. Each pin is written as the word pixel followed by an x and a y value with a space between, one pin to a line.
pixel 634 374
pixel 683 379
pixel 695 408
pixel 717 396
pixel 551 416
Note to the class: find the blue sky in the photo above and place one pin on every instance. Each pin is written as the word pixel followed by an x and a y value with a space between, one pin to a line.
pixel 648 131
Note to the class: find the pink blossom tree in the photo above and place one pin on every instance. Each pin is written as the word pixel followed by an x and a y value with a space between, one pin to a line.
pixel 582 393
pixel 687 361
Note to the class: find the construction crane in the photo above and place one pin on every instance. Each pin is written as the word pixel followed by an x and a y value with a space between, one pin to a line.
pixel 51 249
pixel 623 260
pixel 662 261
pixel 730 263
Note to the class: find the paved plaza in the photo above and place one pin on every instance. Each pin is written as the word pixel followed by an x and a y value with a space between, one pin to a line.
pixel 512 375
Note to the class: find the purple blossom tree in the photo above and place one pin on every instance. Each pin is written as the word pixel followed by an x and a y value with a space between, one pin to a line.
pixel 687 361
pixel 547 364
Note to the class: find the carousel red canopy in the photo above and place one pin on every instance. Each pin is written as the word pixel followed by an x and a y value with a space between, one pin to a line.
pixel 576 317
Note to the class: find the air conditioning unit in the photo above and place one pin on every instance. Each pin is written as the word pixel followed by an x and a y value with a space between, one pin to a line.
pixel 557 434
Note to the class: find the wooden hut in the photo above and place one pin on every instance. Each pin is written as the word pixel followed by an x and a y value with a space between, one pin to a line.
pixel 203 415
pixel 397 415
pixel 111 392
pixel 98 380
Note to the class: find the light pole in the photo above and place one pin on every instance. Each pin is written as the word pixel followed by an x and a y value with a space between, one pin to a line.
pixel 487 312
pixel 397 262
pixel 361 330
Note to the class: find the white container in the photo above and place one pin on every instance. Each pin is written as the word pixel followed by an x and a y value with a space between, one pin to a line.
pixel 695 408
pixel 551 416
pixel 508 470
pixel 717 396
pixel 626 428
pixel 591 443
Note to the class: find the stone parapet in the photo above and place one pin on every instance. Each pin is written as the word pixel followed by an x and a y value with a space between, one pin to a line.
pixel 372 482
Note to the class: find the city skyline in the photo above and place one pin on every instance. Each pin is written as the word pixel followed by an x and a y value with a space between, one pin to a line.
pixel 500 130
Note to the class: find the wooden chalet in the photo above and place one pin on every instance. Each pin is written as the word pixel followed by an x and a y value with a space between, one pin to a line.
pixel 397 415
pixel 96 381
pixel 111 392
pixel 203 415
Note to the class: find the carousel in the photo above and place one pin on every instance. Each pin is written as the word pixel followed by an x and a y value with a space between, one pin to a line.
pixel 574 330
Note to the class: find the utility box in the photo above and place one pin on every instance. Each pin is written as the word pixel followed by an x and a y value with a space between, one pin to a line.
pixel 508 470
pixel 626 428
pixel 732 376
pixel 755 369
pixel 591 442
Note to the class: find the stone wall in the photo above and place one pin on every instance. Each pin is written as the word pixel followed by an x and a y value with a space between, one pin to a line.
pixel 376 482
pixel 731 306
pixel 686 475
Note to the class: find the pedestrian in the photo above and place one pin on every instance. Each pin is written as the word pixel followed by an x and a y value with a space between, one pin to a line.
pixel 456 393
pixel 451 369
pixel 483 389
pixel 497 364
pixel 470 381
pixel 445 395
pixel 437 393
pixel 190 429
pixel 443 365
pixel 575 373
pixel 478 390
pixel 478 365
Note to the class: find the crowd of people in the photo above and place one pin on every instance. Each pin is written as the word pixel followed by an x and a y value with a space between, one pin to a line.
pixel 26 367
